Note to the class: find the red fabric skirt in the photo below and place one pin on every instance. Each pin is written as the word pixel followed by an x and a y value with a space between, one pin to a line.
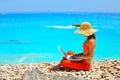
pixel 76 65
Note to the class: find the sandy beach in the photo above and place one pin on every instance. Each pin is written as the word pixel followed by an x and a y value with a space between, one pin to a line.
pixel 102 70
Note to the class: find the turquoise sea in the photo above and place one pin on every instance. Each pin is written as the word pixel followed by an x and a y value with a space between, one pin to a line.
pixel 35 37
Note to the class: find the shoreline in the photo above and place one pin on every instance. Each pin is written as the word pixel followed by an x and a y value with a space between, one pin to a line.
pixel 107 69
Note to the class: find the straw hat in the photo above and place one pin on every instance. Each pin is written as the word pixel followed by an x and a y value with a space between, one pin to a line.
pixel 86 29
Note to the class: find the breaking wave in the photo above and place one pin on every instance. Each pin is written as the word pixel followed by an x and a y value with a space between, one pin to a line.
pixel 61 27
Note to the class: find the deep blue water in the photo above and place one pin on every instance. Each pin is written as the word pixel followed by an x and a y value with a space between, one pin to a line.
pixel 32 38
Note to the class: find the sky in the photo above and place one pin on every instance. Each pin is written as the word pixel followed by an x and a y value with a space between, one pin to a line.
pixel 24 6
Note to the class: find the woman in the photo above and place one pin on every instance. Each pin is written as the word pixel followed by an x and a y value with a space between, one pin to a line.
pixel 87 54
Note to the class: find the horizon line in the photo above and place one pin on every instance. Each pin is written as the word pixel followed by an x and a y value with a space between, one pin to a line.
pixel 54 12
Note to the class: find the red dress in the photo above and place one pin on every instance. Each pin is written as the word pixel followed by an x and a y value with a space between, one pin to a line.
pixel 76 65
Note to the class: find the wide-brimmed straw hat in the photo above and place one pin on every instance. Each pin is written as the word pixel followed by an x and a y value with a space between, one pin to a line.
pixel 86 29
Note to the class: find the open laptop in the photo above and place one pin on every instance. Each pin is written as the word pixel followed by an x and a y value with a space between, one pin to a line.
pixel 68 56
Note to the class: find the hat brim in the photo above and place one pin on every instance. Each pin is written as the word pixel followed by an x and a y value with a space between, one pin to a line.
pixel 86 32
pixel 76 25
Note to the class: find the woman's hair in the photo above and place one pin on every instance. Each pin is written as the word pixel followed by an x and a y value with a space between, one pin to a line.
pixel 92 36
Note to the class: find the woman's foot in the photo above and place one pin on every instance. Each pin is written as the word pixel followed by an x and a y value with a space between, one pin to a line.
pixel 54 67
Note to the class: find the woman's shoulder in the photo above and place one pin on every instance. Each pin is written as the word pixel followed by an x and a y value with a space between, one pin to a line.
pixel 92 42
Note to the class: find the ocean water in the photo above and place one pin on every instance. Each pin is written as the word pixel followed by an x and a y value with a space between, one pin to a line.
pixel 35 37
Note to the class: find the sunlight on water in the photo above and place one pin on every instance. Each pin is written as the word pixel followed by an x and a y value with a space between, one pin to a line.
pixel 32 38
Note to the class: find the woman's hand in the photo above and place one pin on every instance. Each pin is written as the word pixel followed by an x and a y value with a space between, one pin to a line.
pixel 77 56
pixel 74 56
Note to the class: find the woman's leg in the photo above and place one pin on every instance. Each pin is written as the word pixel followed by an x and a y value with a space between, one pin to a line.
pixel 59 65
pixel 81 65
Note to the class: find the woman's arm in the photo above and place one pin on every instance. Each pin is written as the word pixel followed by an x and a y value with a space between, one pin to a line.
pixel 77 56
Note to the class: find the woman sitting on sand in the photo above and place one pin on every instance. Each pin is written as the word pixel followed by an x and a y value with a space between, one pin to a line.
pixel 87 54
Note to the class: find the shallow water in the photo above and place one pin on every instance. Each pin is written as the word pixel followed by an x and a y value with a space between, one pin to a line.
pixel 32 38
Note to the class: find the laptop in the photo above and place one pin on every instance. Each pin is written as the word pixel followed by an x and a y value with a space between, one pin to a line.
pixel 68 56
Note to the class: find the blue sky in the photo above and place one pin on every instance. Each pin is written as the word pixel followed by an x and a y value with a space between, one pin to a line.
pixel 22 6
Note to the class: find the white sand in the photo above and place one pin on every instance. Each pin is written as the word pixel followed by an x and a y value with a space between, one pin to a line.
pixel 103 70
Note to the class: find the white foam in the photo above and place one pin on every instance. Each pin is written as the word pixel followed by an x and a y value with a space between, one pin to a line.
pixel 60 27
pixel 21 59
pixel 32 56
pixel 71 27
